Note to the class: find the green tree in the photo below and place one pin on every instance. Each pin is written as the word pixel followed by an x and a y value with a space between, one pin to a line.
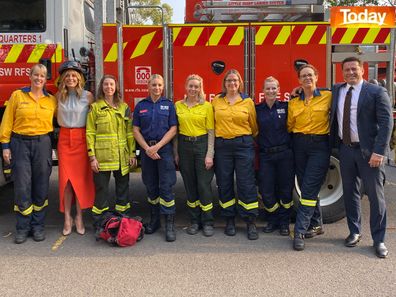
pixel 141 16
pixel 359 2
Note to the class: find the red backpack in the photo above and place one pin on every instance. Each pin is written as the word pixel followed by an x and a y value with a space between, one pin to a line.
pixel 122 230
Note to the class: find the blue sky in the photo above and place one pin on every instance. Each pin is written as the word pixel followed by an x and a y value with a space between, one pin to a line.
pixel 178 10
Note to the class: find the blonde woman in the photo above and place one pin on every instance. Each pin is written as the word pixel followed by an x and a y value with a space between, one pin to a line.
pixel 75 175
pixel 194 154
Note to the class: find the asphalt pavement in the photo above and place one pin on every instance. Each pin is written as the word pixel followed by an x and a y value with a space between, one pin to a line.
pixel 193 265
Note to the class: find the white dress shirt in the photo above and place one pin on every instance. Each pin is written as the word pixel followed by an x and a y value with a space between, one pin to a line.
pixel 354 103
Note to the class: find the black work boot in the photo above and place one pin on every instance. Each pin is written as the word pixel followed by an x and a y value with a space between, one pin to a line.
pixel 230 226
pixel 20 237
pixel 155 221
pixel 170 233
pixel 298 242
pixel 252 233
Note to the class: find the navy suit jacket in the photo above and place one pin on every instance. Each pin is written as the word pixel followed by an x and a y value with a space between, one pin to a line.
pixel 374 119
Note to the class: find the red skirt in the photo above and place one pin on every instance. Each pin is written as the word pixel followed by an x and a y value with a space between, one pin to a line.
pixel 74 167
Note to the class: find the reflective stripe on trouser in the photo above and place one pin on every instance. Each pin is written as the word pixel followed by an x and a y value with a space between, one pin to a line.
pixel 159 177
pixel 196 178
pixel 236 156
pixel 312 158
pixel 276 182
pixel 101 204
pixel 31 166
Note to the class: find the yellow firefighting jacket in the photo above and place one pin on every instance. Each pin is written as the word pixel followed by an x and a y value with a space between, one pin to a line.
pixel 109 136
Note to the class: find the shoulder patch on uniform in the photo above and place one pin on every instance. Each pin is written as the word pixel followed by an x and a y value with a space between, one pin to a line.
pixel 281 110
pixel 164 107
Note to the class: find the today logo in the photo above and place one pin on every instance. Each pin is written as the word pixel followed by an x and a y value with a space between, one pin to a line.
pixel 350 17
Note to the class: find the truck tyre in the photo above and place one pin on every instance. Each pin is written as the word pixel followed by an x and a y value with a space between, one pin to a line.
pixel 331 195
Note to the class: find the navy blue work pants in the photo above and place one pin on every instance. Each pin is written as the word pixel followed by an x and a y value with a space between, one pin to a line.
pixel 354 169
pixel 312 158
pixel 236 155
pixel 276 182
pixel 31 166
pixel 159 177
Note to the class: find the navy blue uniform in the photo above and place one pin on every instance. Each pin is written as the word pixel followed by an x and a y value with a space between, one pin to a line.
pixel 159 176
pixel 276 171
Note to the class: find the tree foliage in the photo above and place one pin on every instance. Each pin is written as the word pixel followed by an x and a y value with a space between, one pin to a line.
pixel 359 2
pixel 140 16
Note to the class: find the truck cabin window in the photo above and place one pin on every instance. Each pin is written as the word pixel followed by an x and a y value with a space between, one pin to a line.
pixel 22 16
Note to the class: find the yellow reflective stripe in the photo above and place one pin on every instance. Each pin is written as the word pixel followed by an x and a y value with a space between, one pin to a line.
pixel 123 207
pixel 113 52
pixel 7 170
pixel 248 206
pixel 165 203
pixel 14 53
pixel 57 56
pixel 216 35
pixel 349 34
pixel 38 208
pixel 323 40
pixel 192 38
pixel 26 212
pixel 371 35
pixel 307 202
pixel 283 35
pixel 273 208
pixel 262 34
pixel 37 53
pixel 175 32
pixel 207 207
pixel 99 211
pixel 237 37
pixel 193 204
pixel 287 205
pixel 153 201
pixel 228 203
pixel 306 34
pixel 143 44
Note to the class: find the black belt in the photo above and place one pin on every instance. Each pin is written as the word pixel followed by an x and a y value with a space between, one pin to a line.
pixel 192 138
pixel 353 144
pixel 152 142
pixel 275 149
pixel 29 137
pixel 312 136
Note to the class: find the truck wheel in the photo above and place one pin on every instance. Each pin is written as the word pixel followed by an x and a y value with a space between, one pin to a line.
pixel 331 199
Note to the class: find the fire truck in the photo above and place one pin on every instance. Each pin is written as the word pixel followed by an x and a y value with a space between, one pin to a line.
pixel 258 38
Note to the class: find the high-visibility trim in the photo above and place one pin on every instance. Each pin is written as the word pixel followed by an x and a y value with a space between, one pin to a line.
pixel 57 56
pixel 112 55
pixel 98 211
pixel 199 204
pixel 371 35
pixel 307 202
pixel 25 212
pixel 193 37
pixel 216 35
pixel 349 35
pixel 262 34
pixel 143 44
pixel 166 203
pixel 228 203
pixel 14 53
pixel 193 204
pixel 307 34
pixel 273 208
pixel 39 208
pixel 7 170
pixel 37 53
pixel 237 38
pixel 122 208
pixel 283 35
pixel 323 40
pixel 175 32
pixel 287 205
pixel 248 206
pixel 207 207
pixel 153 201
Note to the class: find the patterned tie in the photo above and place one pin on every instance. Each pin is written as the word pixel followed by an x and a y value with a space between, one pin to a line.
pixel 346 119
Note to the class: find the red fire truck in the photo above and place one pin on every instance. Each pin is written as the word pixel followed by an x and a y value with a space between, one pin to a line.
pixel 258 38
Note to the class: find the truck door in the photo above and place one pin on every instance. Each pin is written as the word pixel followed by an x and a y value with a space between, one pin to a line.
pixel 209 51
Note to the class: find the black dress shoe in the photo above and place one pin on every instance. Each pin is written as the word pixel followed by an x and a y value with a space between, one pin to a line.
pixel 380 250
pixel 284 230
pixel 298 242
pixel 207 230
pixel 193 229
pixel 270 228
pixel 38 235
pixel 230 227
pixel 314 231
pixel 352 240
pixel 20 237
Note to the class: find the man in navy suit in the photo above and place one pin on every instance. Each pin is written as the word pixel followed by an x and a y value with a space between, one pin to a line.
pixel 361 126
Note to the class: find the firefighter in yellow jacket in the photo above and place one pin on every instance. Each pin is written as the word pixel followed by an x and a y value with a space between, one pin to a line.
pixel 111 146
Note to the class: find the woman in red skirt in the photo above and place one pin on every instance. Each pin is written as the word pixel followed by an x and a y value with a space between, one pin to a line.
pixel 75 175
